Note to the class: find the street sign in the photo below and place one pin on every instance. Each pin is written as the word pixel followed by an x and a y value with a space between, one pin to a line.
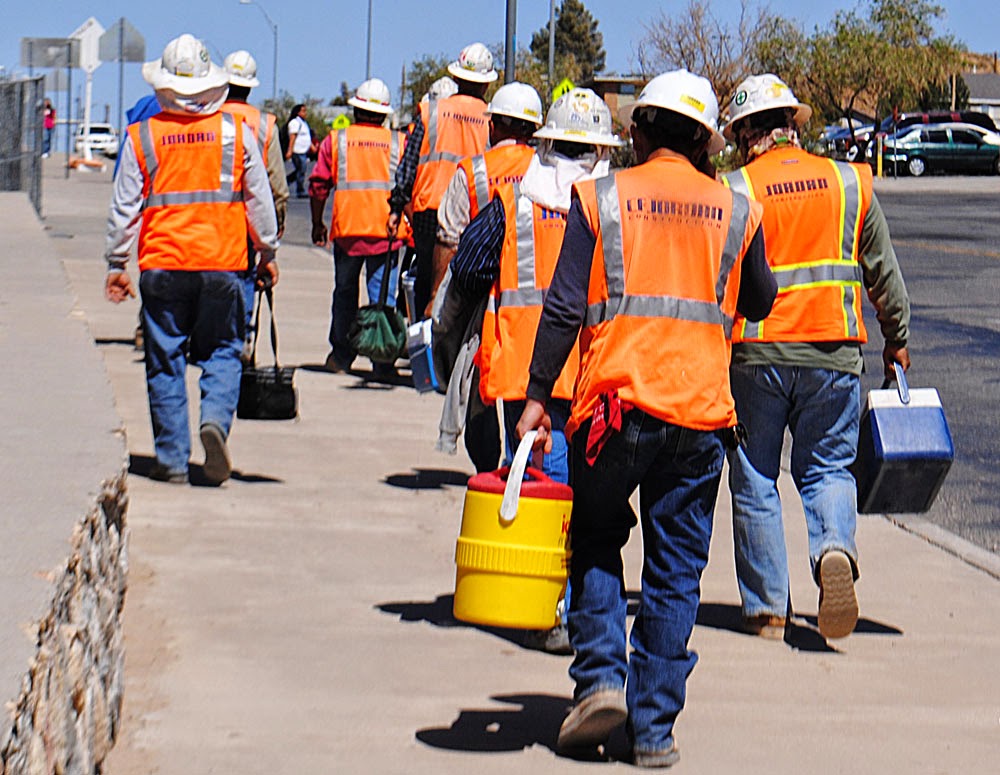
pixel 122 43
pixel 340 122
pixel 50 52
pixel 89 34
pixel 564 87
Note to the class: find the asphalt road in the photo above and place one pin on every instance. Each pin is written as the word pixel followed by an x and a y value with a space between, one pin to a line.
pixel 947 236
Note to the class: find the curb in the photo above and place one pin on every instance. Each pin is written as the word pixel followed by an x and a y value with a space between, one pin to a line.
pixel 968 552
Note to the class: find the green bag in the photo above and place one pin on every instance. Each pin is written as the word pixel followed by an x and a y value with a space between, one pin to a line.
pixel 379 330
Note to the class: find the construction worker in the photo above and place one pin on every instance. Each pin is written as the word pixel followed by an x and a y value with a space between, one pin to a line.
pixel 828 245
pixel 514 114
pixel 512 245
pixel 192 185
pixel 242 69
pixel 358 164
pixel 449 129
pixel 655 261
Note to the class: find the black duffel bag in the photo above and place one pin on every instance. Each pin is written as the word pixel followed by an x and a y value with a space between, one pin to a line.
pixel 266 392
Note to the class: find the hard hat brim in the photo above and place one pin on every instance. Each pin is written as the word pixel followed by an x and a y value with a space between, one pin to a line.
pixel 536 120
pixel 803 113
pixel 239 80
pixel 457 71
pixel 716 143
pixel 371 107
pixel 154 74
pixel 589 138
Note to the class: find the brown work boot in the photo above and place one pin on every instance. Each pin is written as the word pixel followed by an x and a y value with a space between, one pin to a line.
pixel 767 626
pixel 592 720
pixel 218 465
pixel 838 603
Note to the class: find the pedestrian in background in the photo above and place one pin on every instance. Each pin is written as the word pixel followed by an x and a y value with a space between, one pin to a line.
pixel 48 127
pixel 192 185
pixel 242 70
pixel 448 130
pixel 828 245
pixel 655 261
pixel 299 143
pixel 357 165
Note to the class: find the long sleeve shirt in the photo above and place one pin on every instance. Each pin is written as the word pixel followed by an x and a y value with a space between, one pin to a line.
pixel 406 172
pixel 566 300
pixel 125 215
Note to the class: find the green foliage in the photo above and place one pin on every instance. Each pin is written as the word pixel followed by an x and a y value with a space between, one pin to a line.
pixel 345 94
pixel 576 38
pixel 282 108
pixel 419 77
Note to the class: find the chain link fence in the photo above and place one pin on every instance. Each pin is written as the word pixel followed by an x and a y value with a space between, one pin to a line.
pixel 21 137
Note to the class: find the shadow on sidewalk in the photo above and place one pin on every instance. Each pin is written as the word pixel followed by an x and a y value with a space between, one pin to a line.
pixel 439 613
pixel 535 722
pixel 141 465
pixel 428 479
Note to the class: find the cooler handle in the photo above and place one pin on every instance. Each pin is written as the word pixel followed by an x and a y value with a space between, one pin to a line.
pixel 512 491
pixel 901 386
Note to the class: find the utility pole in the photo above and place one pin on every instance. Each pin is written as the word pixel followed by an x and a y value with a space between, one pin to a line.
pixel 510 43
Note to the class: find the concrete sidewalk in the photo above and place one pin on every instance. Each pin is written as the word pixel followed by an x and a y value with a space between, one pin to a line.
pixel 297 620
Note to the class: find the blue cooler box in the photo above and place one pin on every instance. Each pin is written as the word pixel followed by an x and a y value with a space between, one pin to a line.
pixel 904 450
pixel 418 346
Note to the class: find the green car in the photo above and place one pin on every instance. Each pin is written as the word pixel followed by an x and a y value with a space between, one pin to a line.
pixel 951 147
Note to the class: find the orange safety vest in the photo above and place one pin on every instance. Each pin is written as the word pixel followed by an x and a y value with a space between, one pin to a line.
pixel 193 216
pixel 531 246
pixel 454 128
pixel 496 167
pixel 663 287
pixel 364 159
pixel 813 212
pixel 262 130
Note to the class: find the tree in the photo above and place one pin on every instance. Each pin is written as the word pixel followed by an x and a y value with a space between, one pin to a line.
pixel 345 94
pixel 419 77
pixel 576 36
pixel 723 51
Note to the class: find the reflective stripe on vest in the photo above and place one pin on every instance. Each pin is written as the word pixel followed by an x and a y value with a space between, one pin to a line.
pixel 481 179
pixel 621 303
pixel 432 136
pixel 844 271
pixel 223 195
pixel 343 184
pixel 526 294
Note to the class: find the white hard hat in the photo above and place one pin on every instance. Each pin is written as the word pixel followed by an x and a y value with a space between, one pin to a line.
pixel 579 116
pixel 441 88
pixel 373 95
pixel 475 63
pixel 687 94
pixel 763 92
pixel 185 68
pixel 517 100
pixel 242 69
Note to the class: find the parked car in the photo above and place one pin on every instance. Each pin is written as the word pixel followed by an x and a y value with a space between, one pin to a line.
pixel 937 117
pixel 837 141
pixel 923 148
pixel 102 137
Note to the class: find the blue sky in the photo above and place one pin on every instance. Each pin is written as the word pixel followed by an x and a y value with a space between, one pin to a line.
pixel 321 44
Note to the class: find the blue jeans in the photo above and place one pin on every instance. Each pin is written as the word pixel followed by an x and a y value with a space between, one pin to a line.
pixel 46 140
pixel 677 471
pixel 203 311
pixel 301 162
pixel 821 408
pixel 346 286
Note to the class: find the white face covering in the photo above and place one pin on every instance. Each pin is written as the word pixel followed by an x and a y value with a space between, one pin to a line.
pixel 550 176
pixel 201 104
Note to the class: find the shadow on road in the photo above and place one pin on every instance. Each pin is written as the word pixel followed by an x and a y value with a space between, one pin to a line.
pixel 428 479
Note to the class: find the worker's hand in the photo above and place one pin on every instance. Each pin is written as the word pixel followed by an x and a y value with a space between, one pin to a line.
pixel 319 234
pixel 392 226
pixel 535 418
pixel 118 287
pixel 267 275
pixel 894 354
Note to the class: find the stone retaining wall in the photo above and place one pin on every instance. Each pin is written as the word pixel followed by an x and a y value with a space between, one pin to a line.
pixel 67 715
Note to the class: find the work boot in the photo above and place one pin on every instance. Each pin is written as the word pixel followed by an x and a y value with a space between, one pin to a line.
pixel 650 759
pixel 553 641
pixel 838 603
pixel 217 466
pixel 592 721
pixel 767 626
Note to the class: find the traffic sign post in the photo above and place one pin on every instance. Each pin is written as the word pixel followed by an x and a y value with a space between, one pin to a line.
pixel 122 43
pixel 54 52
pixel 89 34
